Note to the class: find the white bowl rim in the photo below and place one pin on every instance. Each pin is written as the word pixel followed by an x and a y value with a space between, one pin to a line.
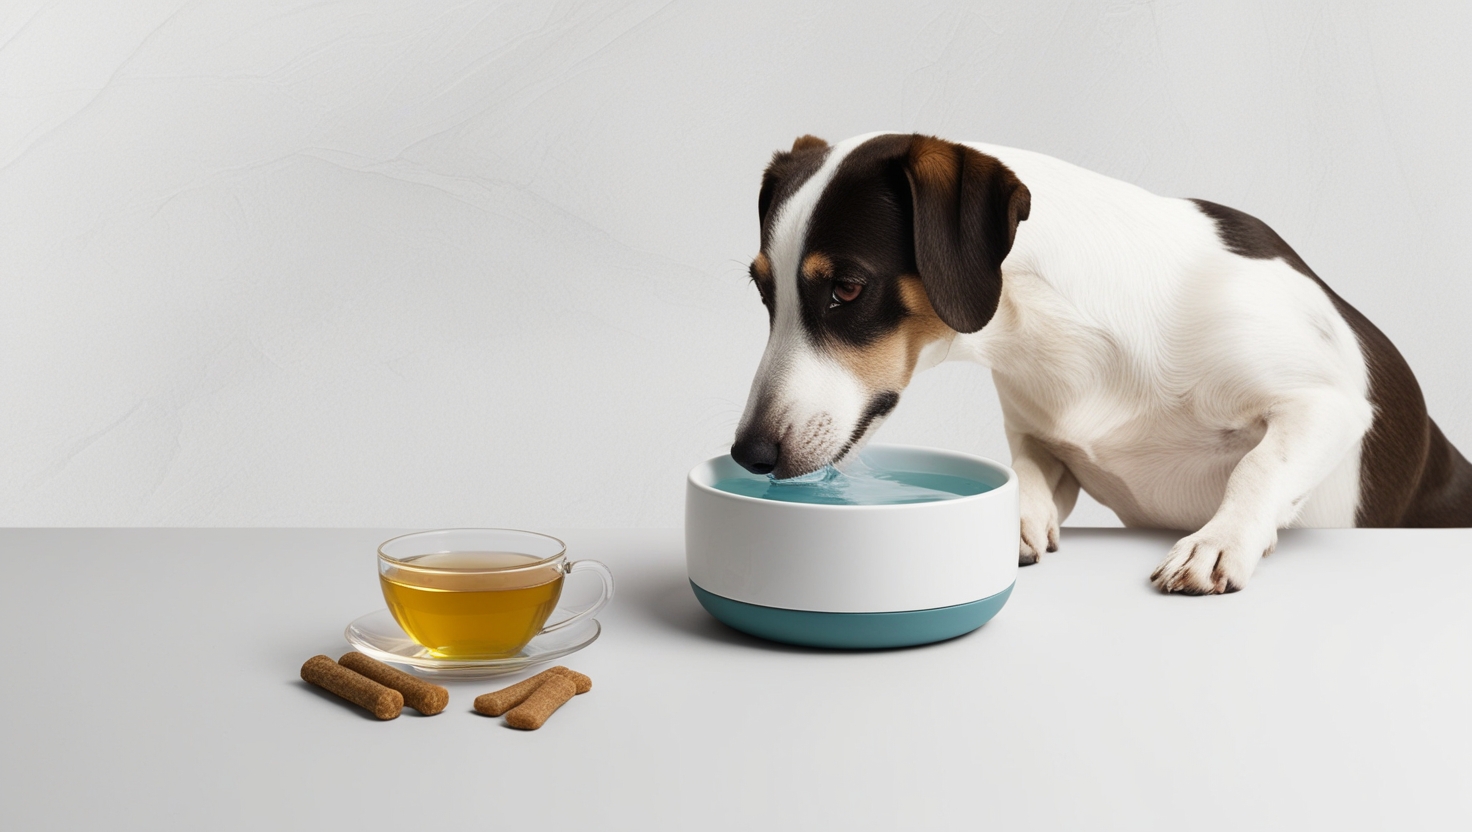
pixel 781 505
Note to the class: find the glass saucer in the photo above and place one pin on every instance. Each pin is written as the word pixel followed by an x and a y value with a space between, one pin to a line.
pixel 379 636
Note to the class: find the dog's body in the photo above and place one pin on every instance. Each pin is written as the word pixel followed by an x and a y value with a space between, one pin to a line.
pixel 1173 357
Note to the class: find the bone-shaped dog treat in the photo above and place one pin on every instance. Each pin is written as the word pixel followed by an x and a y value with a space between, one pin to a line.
pixel 531 714
pixel 499 702
pixel 426 698
pixel 382 702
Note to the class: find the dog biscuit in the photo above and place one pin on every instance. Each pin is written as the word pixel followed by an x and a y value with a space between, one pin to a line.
pixel 531 714
pixel 382 702
pixel 424 697
pixel 499 702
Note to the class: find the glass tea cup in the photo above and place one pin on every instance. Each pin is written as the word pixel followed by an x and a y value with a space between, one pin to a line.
pixel 479 593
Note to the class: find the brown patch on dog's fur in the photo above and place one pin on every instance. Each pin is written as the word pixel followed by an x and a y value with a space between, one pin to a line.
pixel 766 284
pixel 761 267
pixel 888 363
pixel 934 161
pixel 817 266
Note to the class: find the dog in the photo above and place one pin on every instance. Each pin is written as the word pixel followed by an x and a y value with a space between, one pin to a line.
pixel 1172 357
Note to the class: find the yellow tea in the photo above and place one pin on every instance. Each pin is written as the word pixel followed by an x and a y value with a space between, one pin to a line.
pixel 460 611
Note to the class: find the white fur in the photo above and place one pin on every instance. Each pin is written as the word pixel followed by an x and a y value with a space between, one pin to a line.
pixel 1180 384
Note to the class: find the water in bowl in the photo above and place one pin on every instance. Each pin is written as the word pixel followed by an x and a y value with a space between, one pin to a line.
pixel 860 485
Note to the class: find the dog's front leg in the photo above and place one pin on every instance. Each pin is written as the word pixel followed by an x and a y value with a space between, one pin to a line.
pixel 1046 492
pixel 1306 437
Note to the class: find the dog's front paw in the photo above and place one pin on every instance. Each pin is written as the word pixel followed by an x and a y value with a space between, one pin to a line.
pixel 1212 561
pixel 1039 535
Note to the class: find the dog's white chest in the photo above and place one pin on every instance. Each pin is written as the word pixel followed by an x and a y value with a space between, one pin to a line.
pixel 1109 409
pixel 1162 461
pixel 1156 468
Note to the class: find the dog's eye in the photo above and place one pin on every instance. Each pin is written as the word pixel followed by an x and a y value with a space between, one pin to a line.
pixel 845 291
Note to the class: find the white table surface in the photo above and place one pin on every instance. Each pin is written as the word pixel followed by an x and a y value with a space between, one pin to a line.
pixel 152 683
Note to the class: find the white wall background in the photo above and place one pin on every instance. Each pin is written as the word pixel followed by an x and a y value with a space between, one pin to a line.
pixel 460 263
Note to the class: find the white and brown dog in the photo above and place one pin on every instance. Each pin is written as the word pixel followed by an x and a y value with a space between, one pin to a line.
pixel 1173 357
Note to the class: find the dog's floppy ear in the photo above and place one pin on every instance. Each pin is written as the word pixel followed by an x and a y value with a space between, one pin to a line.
pixel 966 209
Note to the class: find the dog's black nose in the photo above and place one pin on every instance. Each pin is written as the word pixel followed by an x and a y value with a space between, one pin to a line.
pixel 756 454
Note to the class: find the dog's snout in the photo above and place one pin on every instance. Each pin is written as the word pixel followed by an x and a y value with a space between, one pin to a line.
pixel 757 454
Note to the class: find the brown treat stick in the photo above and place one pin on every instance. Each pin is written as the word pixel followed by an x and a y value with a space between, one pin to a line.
pixel 358 689
pixel 498 702
pixel 424 697
pixel 581 682
pixel 531 714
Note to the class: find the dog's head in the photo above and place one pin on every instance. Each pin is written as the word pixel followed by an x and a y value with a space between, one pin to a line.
pixel 874 254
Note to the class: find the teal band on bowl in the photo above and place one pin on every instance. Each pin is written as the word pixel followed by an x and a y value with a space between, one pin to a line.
pixel 852 630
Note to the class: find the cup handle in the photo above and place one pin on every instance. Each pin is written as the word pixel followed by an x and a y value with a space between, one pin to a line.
pixel 603 598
